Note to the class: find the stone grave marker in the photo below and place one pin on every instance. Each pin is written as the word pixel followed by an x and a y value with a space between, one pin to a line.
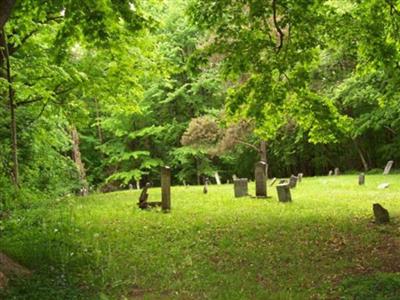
pixel 240 187
pixel 388 167
pixel 234 177
pixel 381 214
pixel 330 173
pixel 300 177
pixel 260 179
pixel 337 171
pixel 361 179
pixel 137 184
pixel 130 186
pixel 166 189
pixel 283 191
pixel 272 181
pixel 383 186
pixel 292 182
pixel 205 188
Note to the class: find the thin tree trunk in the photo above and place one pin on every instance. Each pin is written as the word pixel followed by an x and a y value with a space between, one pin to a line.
pixel 263 155
pixel 198 172
pixel 11 103
pixel 363 160
pixel 76 156
pixel 98 122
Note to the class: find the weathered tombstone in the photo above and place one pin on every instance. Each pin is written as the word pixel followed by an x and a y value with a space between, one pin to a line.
pixel 383 186
pixel 261 180
pixel 143 204
pixel 300 177
pixel 381 214
pixel 184 182
pixel 240 187
pixel 130 186
pixel 166 189
pixel 227 181
pixel 283 191
pixel 388 167
pixel 337 171
pixel 137 184
pixel 217 178
pixel 272 181
pixel 330 173
pixel 205 188
pixel 361 179
pixel 234 177
pixel 292 182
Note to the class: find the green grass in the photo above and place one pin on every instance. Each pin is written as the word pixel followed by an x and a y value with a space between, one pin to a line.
pixel 323 245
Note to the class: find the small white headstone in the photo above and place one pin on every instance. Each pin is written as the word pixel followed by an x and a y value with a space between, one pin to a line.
pixel 383 186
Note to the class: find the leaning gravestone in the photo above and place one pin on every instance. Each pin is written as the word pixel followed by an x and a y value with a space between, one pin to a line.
pixel 166 189
pixel 381 214
pixel 272 181
pixel 261 180
pixel 337 172
pixel 330 173
pixel 240 187
pixel 292 182
pixel 388 167
pixel 361 179
pixel 283 191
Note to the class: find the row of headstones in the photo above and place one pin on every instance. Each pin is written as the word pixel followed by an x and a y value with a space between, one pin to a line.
pixel 386 171
pixel 283 188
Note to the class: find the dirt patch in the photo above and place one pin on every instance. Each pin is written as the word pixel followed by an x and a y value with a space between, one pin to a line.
pixel 10 267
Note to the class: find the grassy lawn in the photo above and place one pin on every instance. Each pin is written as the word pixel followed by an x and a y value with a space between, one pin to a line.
pixel 323 245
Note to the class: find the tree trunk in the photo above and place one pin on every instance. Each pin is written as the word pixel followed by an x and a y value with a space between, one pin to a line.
pixel 363 160
pixel 198 171
pixel 6 7
pixel 263 155
pixel 98 122
pixel 76 156
pixel 5 63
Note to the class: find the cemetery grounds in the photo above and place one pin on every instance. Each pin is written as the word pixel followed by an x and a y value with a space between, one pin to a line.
pixel 323 245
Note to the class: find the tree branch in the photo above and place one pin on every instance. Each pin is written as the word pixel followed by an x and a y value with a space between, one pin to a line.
pixel 278 29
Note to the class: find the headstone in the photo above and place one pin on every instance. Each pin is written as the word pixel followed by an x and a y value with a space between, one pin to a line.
pixel 381 214
pixel 137 184
pixel 227 181
pixel 130 186
pixel 337 171
pixel 388 167
pixel 361 179
pixel 205 188
pixel 143 204
pixel 300 177
pixel 330 173
pixel 283 191
pixel 383 186
pixel 261 180
pixel 272 181
pixel 217 178
pixel 166 189
pixel 240 187
pixel 234 177
pixel 292 182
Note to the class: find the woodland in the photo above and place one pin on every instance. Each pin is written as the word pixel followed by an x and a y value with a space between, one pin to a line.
pixel 97 95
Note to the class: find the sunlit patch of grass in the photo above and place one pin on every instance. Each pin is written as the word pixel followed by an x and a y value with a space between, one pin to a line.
pixel 209 247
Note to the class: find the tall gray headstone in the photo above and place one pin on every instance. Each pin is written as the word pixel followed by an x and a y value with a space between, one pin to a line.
pixel 361 179
pixel 166 189
pixel 292 181
pixel 337 171
pixel 283 191
pixel 240 187
pixel 260 179
pixel 388 167
pixel 330 173
pixel 300 177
